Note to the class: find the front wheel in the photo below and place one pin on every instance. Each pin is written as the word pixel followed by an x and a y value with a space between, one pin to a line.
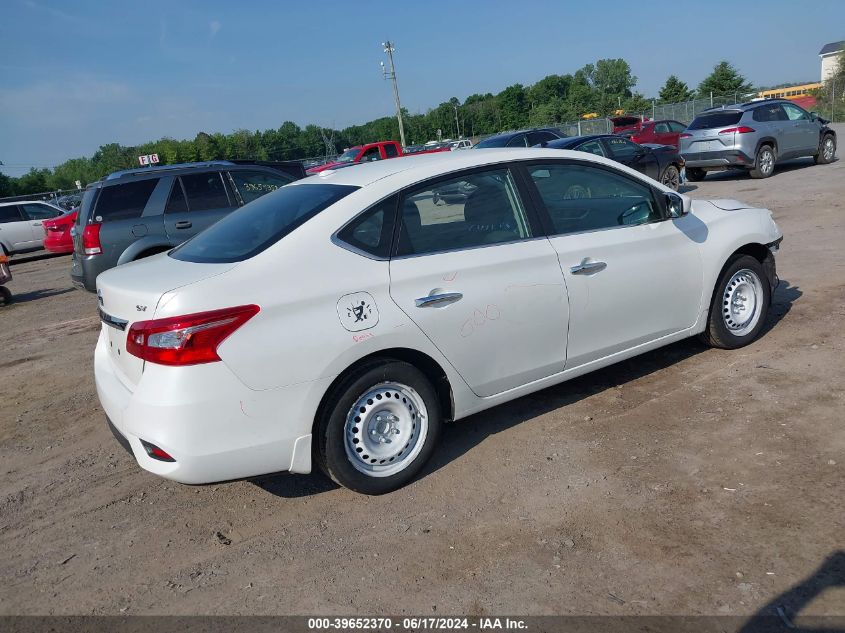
pixel 827 150
pixel 379 428
pixel 695 174
pixel 5 296
pixel 739 305
pixel 671 177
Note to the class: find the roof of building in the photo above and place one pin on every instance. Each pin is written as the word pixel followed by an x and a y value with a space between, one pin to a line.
pixel 833 47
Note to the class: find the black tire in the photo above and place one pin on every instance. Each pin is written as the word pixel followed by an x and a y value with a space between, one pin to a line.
pixel 764 162
pixel 671 177
pixel 5 296
pixel 330 441
pixel 827 150
pixel 717 333
pixel 695 174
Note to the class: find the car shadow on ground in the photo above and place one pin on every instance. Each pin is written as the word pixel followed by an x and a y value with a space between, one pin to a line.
pixel 34 257
pixel 685 188
pixel 780 613
pixel 462 436
pixel 34 295
pixel 780 168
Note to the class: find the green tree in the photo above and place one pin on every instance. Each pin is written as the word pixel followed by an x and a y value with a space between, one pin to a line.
pixel 7 187
pixel 636 104
pixel 513 106
pixel 724 79
pixel 613 77
pixel 675 91
pixel 34 181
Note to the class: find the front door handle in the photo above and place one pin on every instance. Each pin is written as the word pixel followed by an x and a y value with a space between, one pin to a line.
pixel 184 224
pixel 36 224
pixel 433 301
pixel 586 267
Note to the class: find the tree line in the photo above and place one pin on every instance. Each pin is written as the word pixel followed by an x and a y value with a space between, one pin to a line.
pixel 601 88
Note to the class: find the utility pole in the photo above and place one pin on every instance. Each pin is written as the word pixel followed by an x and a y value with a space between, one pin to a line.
pixel 389 49
pixel 457 125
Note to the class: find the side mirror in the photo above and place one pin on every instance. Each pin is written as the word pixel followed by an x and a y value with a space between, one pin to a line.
pixel 814 115
pixel 677 205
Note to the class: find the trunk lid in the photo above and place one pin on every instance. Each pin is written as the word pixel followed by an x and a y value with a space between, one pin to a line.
pixel 131 293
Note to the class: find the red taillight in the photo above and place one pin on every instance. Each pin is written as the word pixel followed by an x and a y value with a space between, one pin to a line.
pixel 186 340
pixel 91 240
pixel 742 129
pixel 685 135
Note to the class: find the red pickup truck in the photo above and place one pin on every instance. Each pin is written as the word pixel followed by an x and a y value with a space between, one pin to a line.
pixel 369 152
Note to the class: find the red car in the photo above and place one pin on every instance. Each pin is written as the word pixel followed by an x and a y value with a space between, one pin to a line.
pixel 626 123
pixel 57 237
pixel 659 133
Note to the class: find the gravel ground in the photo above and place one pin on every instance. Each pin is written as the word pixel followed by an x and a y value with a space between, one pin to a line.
pixel 685 481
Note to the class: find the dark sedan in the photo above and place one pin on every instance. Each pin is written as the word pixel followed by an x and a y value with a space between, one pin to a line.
pixel 661 162
pixel 520 138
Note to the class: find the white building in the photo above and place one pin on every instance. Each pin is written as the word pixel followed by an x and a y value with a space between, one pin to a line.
pixel 830 58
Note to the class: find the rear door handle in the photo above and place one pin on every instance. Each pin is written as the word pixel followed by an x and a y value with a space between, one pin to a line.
pixel 184 224
pixel 586 267
pixel 433 301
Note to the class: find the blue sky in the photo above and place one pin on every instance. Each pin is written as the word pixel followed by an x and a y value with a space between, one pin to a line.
pixel 75 75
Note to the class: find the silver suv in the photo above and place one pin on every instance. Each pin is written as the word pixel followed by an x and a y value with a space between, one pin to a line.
pixel 754 136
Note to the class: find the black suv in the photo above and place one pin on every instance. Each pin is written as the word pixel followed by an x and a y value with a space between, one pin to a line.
pixel 136 213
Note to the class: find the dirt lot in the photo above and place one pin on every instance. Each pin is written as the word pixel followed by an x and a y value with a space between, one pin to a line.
pixel 686 481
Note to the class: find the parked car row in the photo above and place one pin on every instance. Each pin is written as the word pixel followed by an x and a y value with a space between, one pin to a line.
pixel 21 225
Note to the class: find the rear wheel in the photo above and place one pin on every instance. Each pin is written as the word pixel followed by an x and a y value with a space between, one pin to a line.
pixel 5 296
pixel 379 427
pixel 739 305
pixel 764 165
pixel 827 150
pixel 671 177
pixel 695 174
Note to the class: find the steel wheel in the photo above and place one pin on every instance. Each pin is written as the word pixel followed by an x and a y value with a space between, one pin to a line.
pixel 671 178
pixel 385 429
pixel 742 301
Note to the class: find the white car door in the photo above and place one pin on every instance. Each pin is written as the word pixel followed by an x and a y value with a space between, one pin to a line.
pixel 472 276
pixel 633 275
pixel 15 230
pixel 36 213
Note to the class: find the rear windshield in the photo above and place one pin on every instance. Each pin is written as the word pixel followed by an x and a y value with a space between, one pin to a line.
pixel 493 141
pixel 124 201
pixel 715 119
pixel 260 224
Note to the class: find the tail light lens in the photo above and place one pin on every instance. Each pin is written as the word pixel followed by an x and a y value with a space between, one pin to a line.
pixel 186 340
pixel 91 240
pixel 742 129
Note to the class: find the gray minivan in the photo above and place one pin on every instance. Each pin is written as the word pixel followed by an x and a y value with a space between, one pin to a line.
pixel 136 213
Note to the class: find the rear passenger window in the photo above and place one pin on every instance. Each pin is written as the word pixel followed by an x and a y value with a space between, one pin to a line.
pixel 205 191
pixel 10 213
pixel 580 198
pixel 40 211
pixel 769 113
pixel 254 184
pixel 591 147
pixel 677 127
pixel 715 119
pixel 390 151
pixel 661 128
pixel 124 201
pixel 372 231
pixel 518 141
pixel 474 210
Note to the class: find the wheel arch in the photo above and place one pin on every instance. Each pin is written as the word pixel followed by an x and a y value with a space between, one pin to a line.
pixel 422 361
pixel 766 140
pixel 758 251
pixel 144 245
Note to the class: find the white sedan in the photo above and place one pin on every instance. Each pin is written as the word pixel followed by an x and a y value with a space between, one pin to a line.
pixel 345 317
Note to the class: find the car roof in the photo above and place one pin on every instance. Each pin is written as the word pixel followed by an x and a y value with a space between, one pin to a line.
pixel 743 107
pixel 512 133
pixel 139 172
pixel 410 169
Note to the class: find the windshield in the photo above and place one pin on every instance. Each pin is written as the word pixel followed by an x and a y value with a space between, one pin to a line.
pixel 493 141
pixel 349 155
pixel 260 224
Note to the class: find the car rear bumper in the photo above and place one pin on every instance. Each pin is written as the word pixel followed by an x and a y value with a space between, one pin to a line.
pixel 720 159
pixel 61 244
pixel 214 427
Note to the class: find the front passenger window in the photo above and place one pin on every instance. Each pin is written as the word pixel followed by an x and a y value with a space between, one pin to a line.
pixel 581 198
